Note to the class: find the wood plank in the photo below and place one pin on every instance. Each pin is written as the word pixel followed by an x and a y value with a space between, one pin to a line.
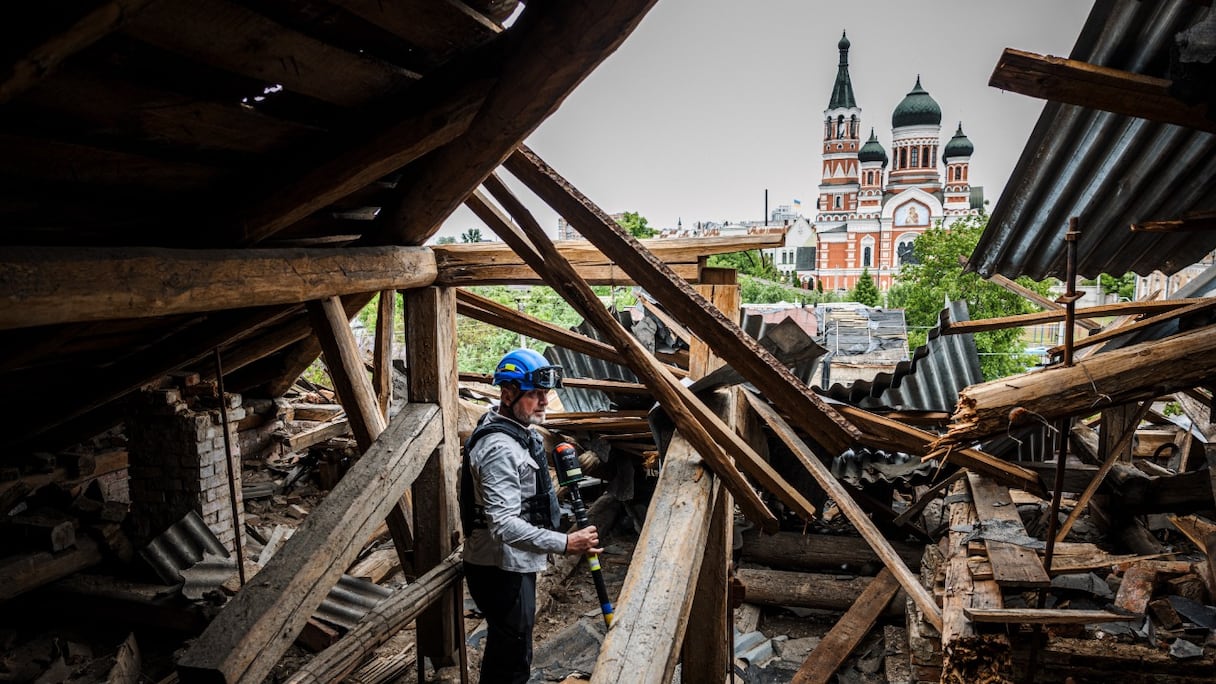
pixel 390 616
pixel 22 572
pixel 44 59
pixel 706 652
pixel 439 29
pixel 744 352
pixel 688 413
pixel 1044 616
pixel 492 263
pixel 963 591
pixel 1097 87
pixel 239 40
pixel 316 434
pixel 652 610
pixel 1012 565
pixel 249 635
pixel 47 285
pixel 430 318
pixel 1133 373
pixel 822 663
pixel 856 515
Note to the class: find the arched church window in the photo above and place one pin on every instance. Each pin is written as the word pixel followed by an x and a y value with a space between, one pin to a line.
pixel 838 201
pixel 904 253
pixel 915 153
pixel 903 157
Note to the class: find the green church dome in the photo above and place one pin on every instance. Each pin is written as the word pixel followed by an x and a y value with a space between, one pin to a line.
pixel 959 146
pixel 872 151
pixel 917 109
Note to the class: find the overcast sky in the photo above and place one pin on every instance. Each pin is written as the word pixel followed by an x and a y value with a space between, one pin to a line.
pixel 711 102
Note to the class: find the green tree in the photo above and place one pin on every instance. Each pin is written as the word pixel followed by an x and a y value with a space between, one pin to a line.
pixel 752 263
pixel 1124 286
pixel 637 225
pixel 471 235
pixel 923 288
pixel 865 291
pixel 761 291
pixel 446 240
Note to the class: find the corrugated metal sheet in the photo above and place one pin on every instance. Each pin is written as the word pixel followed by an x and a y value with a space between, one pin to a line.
pixel 185 543
pixel 930 381
pixel 1108 169
pixel 579 365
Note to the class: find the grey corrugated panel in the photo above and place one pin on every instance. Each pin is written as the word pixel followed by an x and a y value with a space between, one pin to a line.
pixel 579 365
pixel 861 466
pixel 181 546
pixel 930 381
pixel 1108 169
pixel 350 600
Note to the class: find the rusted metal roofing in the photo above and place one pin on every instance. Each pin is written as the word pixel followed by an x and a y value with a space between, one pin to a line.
pixel 1107 169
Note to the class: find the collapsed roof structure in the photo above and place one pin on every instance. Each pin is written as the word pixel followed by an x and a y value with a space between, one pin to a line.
pixel 212 190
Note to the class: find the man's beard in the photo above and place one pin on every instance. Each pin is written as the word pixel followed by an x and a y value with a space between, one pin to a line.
pixel 527 418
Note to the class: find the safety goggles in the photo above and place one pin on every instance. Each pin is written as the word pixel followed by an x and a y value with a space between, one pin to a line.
pixel 549 377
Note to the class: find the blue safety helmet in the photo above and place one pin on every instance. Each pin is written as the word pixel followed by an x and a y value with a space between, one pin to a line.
pixel 529 369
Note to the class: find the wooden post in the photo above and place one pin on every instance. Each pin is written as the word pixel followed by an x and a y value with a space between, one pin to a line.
pixel 345 365
pixel 382 359
pixel 430 315
pixel 706 654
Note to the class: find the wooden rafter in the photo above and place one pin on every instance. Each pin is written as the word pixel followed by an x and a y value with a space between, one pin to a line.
pixel 44 286
pixel 1195 306
pixel 531 85
pixel 1040 300
pixel 1096 87
pixel 1194 221
pixel 741 350
pixel 1056 315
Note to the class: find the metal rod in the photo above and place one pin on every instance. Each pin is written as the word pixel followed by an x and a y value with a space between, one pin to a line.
pixel 1063 428
pixel 236 519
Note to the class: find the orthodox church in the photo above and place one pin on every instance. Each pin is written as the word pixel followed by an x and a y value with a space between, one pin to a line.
pixel 871 206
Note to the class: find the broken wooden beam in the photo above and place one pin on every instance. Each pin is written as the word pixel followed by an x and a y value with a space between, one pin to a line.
pixel 1198 306
pixel 251 632
pixel 856 515
pixel 1045 616
pixel 821 552
pixel 1012 565
pixel 49 285
pixel 1056 315
pixel 23 572
pixel 1138 372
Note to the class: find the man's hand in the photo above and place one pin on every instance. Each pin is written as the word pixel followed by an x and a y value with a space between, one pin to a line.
pixel 583 541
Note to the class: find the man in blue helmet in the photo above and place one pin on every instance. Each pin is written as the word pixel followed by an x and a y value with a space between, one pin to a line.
pixel 509 511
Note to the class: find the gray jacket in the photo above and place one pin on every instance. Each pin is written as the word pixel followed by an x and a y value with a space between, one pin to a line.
pixel 504 474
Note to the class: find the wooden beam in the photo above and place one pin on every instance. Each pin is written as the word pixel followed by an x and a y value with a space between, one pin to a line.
pixel 656 599
pixel 345 364
pixel 382 357
pixel 822 663
pixel 48 285
pixel 822 553
pixel 963 591
pixel 1192 308
pixel 835 592
pixel 246 639
pixel 1137 372
pixel 1097 87
pixel 489 311
pixel 44 59
pixel 1056 315
pixel 493 263
pixel 530 87
pixel 706 653
pixel 430 317
pixel 711 438
pixel 391 615
pixel 22 572
pixel 608 386
pixel 1040 300
pixel 741 350
pixel 856 515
